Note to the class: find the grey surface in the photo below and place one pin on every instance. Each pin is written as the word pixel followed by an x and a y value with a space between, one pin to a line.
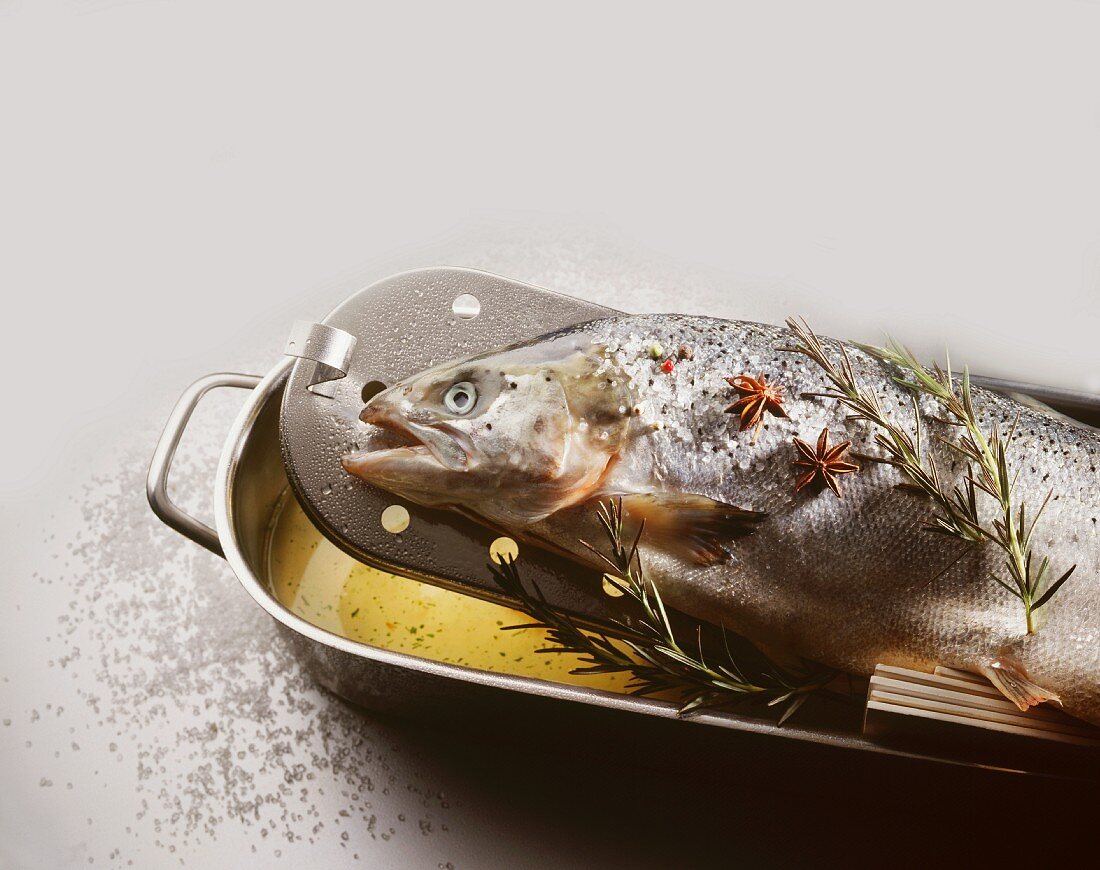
pixel 151 714
pixel 183 181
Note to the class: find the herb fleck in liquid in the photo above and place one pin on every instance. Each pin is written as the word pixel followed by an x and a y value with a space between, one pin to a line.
pixel 327 587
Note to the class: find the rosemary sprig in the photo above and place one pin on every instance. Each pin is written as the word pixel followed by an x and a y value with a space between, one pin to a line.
pixel 958 510
pixel 648 649
pixel 989 454
pixel 958 513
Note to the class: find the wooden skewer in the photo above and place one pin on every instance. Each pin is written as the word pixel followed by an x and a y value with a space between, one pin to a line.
pixel 900 698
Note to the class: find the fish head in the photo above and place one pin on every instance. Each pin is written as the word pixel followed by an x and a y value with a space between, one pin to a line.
pixel 510 436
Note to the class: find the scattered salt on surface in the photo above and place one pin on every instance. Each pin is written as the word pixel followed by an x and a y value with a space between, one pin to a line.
pixel 185 680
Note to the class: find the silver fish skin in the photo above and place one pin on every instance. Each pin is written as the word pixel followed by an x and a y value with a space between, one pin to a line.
pixel 848 582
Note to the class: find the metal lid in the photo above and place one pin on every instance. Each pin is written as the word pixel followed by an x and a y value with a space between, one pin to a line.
pixel 382 334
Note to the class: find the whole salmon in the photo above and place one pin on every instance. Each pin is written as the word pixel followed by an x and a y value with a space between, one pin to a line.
pixel 654 408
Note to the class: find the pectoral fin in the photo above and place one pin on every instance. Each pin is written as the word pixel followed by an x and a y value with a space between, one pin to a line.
pixel 1014 685
pixel 693 527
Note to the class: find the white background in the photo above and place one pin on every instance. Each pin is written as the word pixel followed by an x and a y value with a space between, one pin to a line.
pixel 181 180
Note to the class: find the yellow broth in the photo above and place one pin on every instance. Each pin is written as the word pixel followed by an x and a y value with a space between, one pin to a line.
pixel 314 579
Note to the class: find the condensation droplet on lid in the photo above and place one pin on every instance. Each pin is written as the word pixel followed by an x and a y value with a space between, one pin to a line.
pixel 466 306
pixel 395 519
pixel 502 547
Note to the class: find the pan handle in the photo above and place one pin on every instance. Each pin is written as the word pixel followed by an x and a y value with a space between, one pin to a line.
pixel 156 485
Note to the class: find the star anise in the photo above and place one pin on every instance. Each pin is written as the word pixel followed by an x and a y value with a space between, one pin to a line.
pixel 824 464
pixel 757 396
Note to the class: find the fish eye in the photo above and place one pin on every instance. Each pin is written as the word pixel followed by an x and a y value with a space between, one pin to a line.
pixel 460 398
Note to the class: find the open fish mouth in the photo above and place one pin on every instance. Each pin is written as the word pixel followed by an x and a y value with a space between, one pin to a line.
pixel 449 447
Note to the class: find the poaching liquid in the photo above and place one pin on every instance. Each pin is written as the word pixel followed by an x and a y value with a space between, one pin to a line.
pixel 315 580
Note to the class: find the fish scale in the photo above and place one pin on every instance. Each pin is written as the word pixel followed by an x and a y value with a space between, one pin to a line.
pixel 849 582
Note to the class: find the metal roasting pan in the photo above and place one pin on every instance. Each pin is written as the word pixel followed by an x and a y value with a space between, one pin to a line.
pixel 252 478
